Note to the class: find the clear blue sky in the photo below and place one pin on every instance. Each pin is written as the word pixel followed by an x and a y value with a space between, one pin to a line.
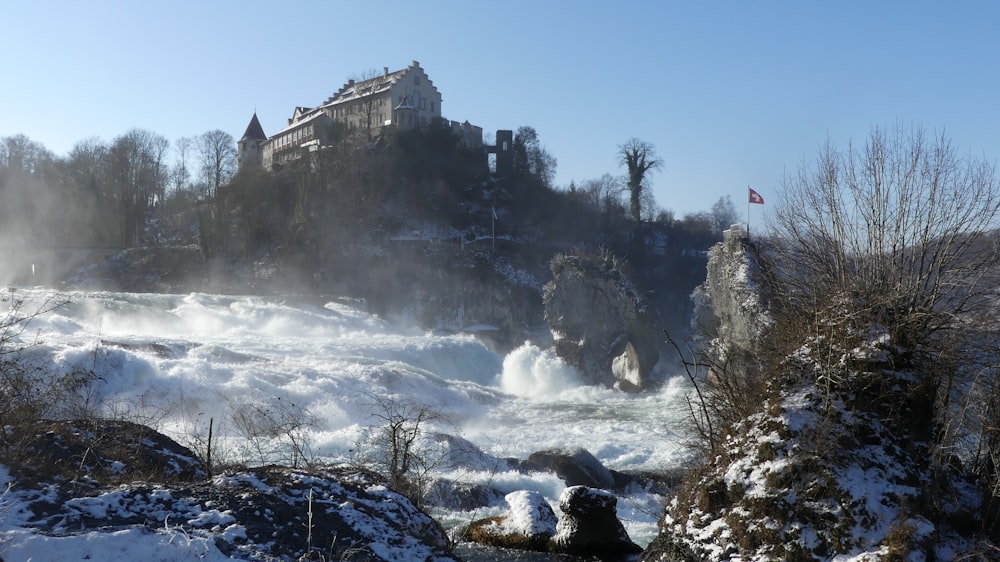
pixel 730 93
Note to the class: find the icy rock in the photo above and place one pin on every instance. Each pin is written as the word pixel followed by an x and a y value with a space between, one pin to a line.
pixel 529 524
pixel 590 525
pixel 530 514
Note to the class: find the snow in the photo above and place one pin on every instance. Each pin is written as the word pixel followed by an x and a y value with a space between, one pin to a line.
pixel 865 487
pixel 129 544
pixel 163 545
pixel 529 514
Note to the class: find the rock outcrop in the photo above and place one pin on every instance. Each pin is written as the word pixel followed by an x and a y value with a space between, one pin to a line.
pixel 816 475
pixel 490 296
pixel 732 313
pixel 575 466
pixel 600 323
pixel 105 477
pixel 588 525
pixel 164 269
pixel 528 524
pixel 831 459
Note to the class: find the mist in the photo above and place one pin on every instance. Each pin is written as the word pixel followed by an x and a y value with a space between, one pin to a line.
pixel 413 223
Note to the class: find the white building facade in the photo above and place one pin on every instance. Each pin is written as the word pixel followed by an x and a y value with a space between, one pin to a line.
pixel 404 98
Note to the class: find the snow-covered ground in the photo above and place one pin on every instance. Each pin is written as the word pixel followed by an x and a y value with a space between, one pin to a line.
pixel 175 362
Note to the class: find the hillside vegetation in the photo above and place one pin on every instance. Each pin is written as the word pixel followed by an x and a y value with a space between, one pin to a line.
pixel 850 399
pixel 412 221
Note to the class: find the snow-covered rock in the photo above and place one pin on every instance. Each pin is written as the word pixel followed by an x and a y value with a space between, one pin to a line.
pixel 836 461
pixel 732 314
pixel 528 524
pixel 114 490
pixel 589 524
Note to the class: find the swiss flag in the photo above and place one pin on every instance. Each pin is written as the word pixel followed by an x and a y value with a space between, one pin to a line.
pixel 755 197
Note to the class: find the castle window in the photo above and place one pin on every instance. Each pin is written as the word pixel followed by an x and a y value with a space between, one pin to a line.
pixel 416 79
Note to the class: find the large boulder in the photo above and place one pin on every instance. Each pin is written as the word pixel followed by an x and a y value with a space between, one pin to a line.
pixel 589 524
pixel 733 316
pixel 529 524
pixel 575 466
pixel 600 323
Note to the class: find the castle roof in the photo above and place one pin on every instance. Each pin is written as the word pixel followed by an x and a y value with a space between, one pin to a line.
pixel 351 91
pixel 379 83
pixel 301 119
pixel 254 130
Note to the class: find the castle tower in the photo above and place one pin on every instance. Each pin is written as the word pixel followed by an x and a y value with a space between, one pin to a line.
pixel 250 148
pixel 505 153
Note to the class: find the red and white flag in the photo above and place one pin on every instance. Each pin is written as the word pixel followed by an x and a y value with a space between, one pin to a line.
pixel 755 197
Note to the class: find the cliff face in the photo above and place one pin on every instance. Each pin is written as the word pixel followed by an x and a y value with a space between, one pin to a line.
pixel 601 324
pixel 732 315
pixel 497 300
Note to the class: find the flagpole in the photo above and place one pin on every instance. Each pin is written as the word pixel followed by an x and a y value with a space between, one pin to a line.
pixel 748 211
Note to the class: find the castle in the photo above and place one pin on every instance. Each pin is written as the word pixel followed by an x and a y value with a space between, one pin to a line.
pixel 404 98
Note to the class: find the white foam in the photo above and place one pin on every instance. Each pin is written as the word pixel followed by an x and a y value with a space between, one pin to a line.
pixel 532 372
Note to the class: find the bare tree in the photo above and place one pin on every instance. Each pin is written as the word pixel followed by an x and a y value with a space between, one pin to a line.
pixel 665 216
pixel 639 158
pixel 604 194
pixel 138 176
pixel 30 190
pixel 367 86
pixel 180 176
pixel 88 169
pixel 30 392
pixel 901 226
pixel 396 450
pixel 895 242
pixel 724 214
pixel 270 430
pixel 218 158
pixel 19 153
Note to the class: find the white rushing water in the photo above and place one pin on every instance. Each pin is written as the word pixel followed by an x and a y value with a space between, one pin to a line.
pixel 176 361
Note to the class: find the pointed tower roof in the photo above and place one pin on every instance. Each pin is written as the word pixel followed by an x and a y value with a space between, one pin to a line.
pixel 254 130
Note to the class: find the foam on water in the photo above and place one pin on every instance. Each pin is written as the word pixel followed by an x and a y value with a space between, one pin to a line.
pixel 181 360
pixel 534 373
